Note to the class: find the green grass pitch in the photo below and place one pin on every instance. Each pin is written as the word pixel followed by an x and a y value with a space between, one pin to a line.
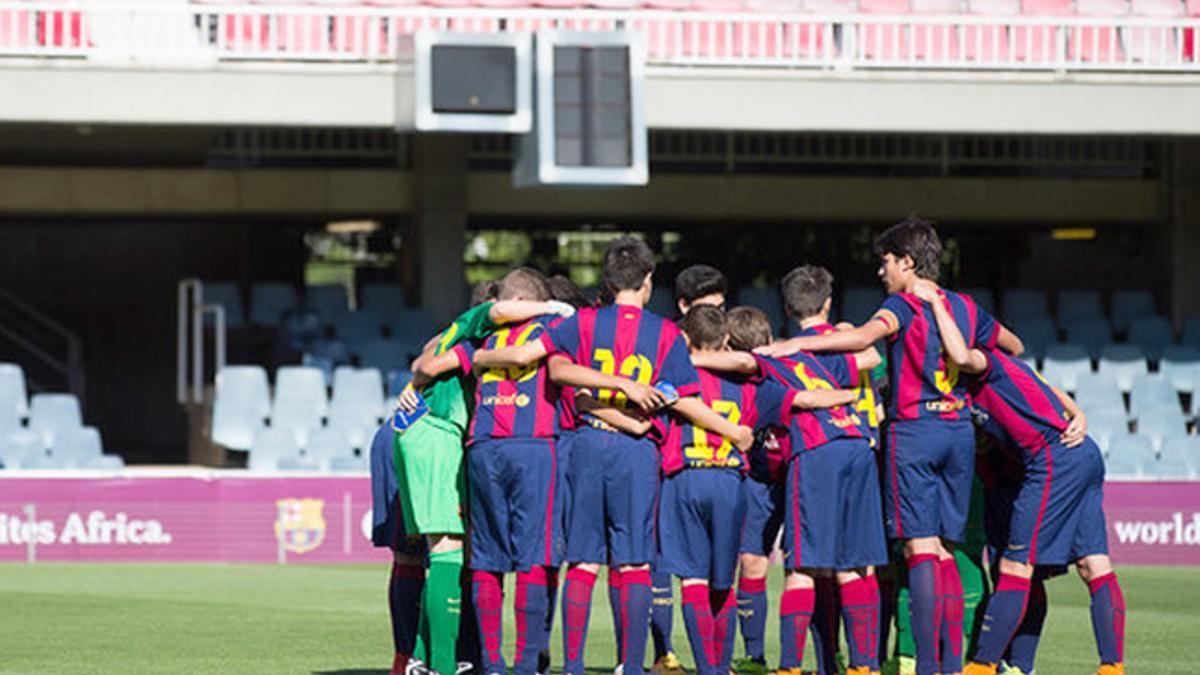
pixel 132 618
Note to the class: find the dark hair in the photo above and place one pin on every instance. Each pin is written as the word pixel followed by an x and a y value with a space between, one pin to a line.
pixel 917 239
pixel 626 263
pixel 525 283
pixel 805 290
pixel 484 291
pixel 705 326
pixel 697 281
pixel 562 288
pixel 749 328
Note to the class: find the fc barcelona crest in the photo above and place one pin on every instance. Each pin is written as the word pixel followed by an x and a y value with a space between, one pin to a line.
pixel 300 524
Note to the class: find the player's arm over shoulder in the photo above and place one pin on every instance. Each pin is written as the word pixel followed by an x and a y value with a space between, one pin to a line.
pixel 510 357
pixel 635 425
pixel 858 339
pixel 726 361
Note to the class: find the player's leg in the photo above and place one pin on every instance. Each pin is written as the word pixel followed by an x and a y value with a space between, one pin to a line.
pixel 795 613
pixel 1022 650
pixel 630 491
pixel 586 549
pixel 404 596
pixel 698 622
pixel 684 550
pixel 1005 612
pixel 533 536
pixel 726 514
pixel 968 557
pixel 862 545
pixel 957 476
pixel 662 619
pixel 760 529
pixel 613 579
pixel 860 612
pixel 826 625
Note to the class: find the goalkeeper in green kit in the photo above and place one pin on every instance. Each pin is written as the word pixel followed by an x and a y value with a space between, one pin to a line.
pixel 430 467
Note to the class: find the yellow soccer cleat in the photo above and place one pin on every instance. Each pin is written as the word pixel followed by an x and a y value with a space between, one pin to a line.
pixel 1111 669
pixel 974 668
pixel 907 666
pixel 1007 669
pixel 861 670
pixel 668 665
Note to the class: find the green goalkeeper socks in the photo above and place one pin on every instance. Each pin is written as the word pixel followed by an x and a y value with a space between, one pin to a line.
pixel 441 608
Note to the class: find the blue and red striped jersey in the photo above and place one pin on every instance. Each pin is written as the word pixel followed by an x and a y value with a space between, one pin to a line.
pixel 513 402
pixel 1016 398
pixel 626 341
pixel 810 429
pixel 867 404
pixel 923 382
pixel 753 402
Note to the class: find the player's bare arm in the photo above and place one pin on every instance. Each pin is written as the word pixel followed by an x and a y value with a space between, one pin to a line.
pixel 968 360
pixel 1009 342
pixel 883 324
pixel 1076 431
pixel 695 411
pixel 520 356
pixel 565 373
pixel 824 398
pixel 725 361
pixel 634 425
pixel 518 311
pixel 428 367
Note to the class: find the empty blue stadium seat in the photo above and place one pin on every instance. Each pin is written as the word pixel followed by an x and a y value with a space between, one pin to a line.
pixel 357 404
pixel 17 444
pixel 241 405
pixel 50 414
pixel 269 300
pixel 1098 393
pixel 1153 334
pixel 1129 304
pixel 14 401
pixel 228 295
pixel 859 303
pixel 767 299
pixel 1092 332
pixel 1075 304
pixel 1184 446
pixel 299 329
pixel 329 301
pixel 297 464
pixel 412 325
pixel 387 354
pixel 350 464
pixel 397 379
pixel 325 445
pixel 983 298
pixel 1150 392
pixel 42 462
pixel 1124 363
pixel 383 299
pixel 300 402
pixel 1161 423
pixel 1064 363
pixel 359 328
pixel 1173 469
pixel 104 462
pixel 1037 333
pixel 75 446
pixel 1104 427
pixel 1191 332
pixel 662 302
pixel 269 447
pixel 1024 303
pixel 1181 365
pixel 1129 455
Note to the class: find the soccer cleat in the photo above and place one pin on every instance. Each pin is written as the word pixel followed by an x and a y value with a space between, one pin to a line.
pixel 974 668
pixel 861 670
pixel 668 665
pixel 749 665
pixel 1111 669
pixel 906 665
pixel 1008 669
pixel 619 669
pixel 415 667
pixel 789 671
pixel 464 668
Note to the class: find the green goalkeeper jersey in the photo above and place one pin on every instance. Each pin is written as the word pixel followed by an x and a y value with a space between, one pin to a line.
pixel 447 397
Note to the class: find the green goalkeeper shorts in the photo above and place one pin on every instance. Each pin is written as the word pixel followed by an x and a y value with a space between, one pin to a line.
pixel 430 476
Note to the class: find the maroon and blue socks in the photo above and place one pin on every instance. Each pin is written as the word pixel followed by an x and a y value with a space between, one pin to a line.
pixel 795 612
pixel 724 608
pixel 698 621
pixel 662 615
pixel 487 591
pixel 576 606
pixel 614 604
pixel 752 614
pixel 860 613
pixel 532 599
pixel 951 633
pixel 924 587
pixel 1023 649
pixel 825 624
pixel 1005 612
pixel 1108 618
pixel 404 599
pixel 636 600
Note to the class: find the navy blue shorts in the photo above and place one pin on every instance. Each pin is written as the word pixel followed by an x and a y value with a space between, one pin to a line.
pixel 1058 516
pixel 514 515
pixel 612 485
pixel 700 513
pixel 764 516
pixel 387 523
pixel 832 508
pixel 928 471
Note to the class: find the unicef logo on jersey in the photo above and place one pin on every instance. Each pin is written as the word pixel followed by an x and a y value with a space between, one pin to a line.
pixel 518 400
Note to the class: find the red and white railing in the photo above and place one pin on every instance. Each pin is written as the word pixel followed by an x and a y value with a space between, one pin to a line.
pixel 168 31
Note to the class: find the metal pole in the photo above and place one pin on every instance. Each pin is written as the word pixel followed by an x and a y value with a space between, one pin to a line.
pixel 31 542
pixel 198 344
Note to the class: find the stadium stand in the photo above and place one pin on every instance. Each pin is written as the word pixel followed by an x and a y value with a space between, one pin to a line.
pixel 662 302
pixel 384 299
pixel 270 447
pixel 1160 423
pixel 1153 334
pixel 14 405
pixel 1129 304
pixel 329 302
pixel 1151 392
pixel 1024 303
pixel 1105 427
pixel 269 301
pixel 387 354
pixel 76 446
pixel 1037 333
pixel 326 445
pixel 104 462
pixel 228 295
pixel 1093 333
pixel 359 328
pixel 767 299
pixel 412 325
pixel 1097 393
pixel 1064 363
pixel 354 464
pixel 860 302
pixel 1130 455
pixel 1181 366
pixel 299 329
pixel 983 298
pixel 300 403
pixel 1124 363
pixel 1191 332
pixel 18 444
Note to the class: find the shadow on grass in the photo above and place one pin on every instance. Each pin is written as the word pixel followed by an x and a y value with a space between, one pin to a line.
pixel 353 671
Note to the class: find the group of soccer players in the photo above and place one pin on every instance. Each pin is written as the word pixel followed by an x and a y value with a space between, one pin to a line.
pixel 602 435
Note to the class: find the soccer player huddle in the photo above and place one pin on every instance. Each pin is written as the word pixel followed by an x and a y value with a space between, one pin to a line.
pixel 548 430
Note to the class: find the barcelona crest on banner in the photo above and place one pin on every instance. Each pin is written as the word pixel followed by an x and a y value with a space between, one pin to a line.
pixel 300 524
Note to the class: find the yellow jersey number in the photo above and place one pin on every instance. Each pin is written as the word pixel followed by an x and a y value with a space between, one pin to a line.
pixel 699 451
pixel 635 367
pixel 515 373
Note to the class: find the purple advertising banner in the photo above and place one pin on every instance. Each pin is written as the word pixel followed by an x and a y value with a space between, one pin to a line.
pixel 231 516
pixel 188 516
